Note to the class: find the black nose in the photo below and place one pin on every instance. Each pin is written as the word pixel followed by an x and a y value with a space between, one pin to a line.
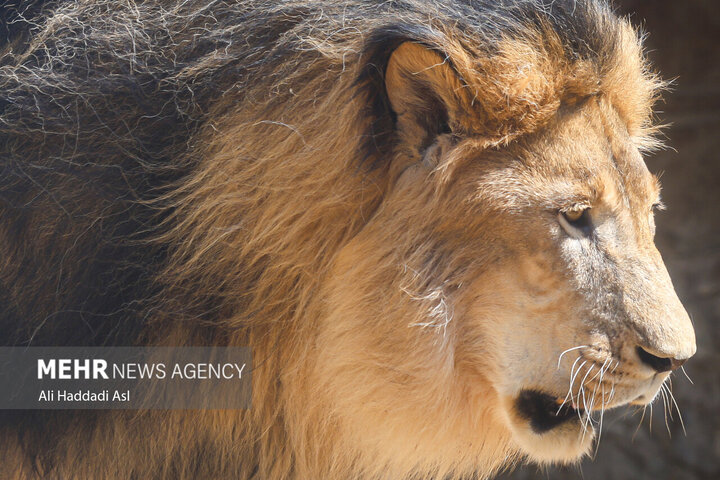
pixel 660 364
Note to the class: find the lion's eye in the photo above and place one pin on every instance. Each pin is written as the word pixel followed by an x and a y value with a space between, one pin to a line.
pixel 573 215
pixel 576 221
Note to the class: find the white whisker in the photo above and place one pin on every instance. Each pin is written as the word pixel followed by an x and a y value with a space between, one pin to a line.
pixel 665 407
pixel 597 373
pixel 667 395
pixel 651 417
pixel 672 397
pixel 603 369
pixel 602 414
pixel 600 373
pixel 588 418
pixel 641 421
pixel 612 386
pixel 572 381
pixel 687 376
pixel 575 399
pixel 568 350
pixel 589 410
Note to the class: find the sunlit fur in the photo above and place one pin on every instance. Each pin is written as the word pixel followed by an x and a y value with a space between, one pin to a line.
pixel 366 193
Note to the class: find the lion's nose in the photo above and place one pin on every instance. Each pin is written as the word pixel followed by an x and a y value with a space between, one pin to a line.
pixel 660 364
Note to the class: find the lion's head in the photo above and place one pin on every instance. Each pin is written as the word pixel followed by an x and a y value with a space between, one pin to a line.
pixel 507 291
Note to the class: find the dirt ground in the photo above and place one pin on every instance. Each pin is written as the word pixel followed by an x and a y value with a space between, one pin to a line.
pixel 684 44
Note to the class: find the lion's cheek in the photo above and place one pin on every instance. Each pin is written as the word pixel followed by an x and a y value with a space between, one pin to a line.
pixel 396 389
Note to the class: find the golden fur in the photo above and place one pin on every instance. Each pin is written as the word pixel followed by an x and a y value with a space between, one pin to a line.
pixel 369 198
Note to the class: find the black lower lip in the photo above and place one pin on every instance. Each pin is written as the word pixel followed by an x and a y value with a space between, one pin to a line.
pixel 541 411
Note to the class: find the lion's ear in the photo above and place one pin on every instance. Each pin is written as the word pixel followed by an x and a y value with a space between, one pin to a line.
pixel 425 93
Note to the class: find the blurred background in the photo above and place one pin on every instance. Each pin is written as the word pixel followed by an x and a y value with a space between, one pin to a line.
pixel 684 45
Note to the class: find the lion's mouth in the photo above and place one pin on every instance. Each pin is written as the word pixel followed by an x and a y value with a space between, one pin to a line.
pixel 543 411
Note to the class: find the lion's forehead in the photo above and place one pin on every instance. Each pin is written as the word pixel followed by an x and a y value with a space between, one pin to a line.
pixel 587 156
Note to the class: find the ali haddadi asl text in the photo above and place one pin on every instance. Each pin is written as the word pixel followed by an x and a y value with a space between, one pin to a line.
pixel 83 396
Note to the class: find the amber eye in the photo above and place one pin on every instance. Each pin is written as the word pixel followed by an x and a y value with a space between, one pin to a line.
pixel 574 215
pixel 576 221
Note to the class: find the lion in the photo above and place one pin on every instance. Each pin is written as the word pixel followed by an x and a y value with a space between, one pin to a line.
pixel 431 222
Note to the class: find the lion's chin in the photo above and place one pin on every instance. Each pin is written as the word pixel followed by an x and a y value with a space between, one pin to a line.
pixel 545 433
